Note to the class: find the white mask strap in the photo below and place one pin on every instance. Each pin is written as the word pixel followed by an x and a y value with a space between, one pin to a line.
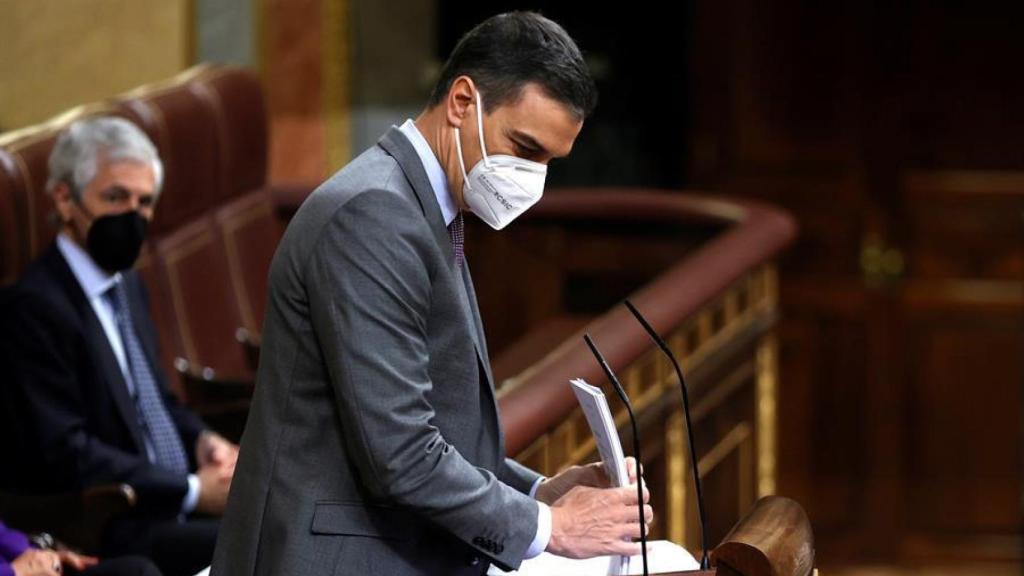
pixel 480 127
pixel 462 163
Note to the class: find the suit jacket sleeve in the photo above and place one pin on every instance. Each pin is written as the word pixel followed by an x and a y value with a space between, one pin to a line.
pixel 44 349
pixel 370 290
pixel 518 476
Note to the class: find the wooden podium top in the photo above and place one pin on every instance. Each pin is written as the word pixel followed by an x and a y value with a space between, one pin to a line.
pixel 773 539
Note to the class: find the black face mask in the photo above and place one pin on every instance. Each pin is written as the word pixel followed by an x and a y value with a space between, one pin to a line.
pixel 114 241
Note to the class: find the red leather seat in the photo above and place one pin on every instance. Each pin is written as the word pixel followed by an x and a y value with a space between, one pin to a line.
pixel 194 278
pixel 184 127
pixel 241 114
pixel 249 230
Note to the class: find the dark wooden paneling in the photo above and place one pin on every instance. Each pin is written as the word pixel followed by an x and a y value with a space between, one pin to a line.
pixel 822 436
pixel 901 340
pixel 965 376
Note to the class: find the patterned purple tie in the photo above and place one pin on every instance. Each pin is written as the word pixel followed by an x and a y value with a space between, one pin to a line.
pixel 457 232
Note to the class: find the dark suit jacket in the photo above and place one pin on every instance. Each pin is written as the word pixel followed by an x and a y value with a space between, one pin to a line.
pixel 69 421
pixel 373 445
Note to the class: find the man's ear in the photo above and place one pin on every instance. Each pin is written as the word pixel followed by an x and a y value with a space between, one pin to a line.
pixel 62 200
pixel 460 97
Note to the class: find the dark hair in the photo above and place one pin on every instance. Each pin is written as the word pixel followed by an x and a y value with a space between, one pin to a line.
pixel 506 52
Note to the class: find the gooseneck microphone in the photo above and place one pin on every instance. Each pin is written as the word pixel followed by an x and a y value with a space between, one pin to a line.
pixel 636 444
pixel 704 564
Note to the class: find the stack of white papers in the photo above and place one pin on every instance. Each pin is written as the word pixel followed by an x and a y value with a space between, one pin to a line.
pixel 602 426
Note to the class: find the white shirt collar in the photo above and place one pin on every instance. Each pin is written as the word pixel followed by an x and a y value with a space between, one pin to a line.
pixel 94 280
pixel 436 175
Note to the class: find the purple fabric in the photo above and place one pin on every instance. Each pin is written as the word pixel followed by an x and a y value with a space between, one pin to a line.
pixel 12 543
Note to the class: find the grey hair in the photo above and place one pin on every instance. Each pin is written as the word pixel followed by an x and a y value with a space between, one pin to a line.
pixel 81 147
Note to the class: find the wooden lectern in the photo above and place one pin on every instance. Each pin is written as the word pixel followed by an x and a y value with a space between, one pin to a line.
pixel 774 539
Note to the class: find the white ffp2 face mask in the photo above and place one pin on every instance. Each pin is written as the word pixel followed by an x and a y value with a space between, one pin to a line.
pixel 499 188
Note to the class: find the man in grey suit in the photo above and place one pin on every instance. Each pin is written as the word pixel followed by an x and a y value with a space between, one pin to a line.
pixel 374 443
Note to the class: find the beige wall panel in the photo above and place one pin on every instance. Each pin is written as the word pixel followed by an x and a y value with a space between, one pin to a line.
pixel 60 53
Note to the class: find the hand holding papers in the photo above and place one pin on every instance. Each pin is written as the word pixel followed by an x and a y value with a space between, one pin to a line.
pixel 663 556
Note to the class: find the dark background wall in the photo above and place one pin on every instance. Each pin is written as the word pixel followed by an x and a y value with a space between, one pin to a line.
pixel 641 64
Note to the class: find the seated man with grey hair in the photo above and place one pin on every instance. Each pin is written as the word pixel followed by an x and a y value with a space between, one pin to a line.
pixel 86 400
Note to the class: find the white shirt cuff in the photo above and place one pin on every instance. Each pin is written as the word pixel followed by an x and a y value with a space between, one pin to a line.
pixel 540 541
pixel 192 496
pixel 536 484
pixel 543 537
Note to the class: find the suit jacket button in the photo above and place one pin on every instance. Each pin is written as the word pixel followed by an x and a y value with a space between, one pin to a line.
pixel 473 560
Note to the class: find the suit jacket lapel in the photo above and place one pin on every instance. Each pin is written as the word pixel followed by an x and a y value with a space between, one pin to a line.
pixel 399 147
pixel 97 341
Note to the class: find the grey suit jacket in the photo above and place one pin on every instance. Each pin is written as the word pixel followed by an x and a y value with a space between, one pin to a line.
pixel 373 444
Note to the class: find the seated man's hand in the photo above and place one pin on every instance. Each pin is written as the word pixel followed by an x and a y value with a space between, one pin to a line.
pixel 214 483
pixel 77 561
pixel 212 449
pixel 34 562
pixel 592 475
pixel 589 522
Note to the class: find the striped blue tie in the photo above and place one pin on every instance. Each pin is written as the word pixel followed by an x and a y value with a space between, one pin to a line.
pixel 163 436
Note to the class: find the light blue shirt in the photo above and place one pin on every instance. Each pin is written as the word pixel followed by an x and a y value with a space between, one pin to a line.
pixel 95 282
pixel 439 183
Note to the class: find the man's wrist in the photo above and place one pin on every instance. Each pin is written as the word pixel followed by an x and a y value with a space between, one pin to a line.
pixel 543 536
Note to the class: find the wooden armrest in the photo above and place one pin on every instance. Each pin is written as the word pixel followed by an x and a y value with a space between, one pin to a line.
pixel 773 539
pixel 77 519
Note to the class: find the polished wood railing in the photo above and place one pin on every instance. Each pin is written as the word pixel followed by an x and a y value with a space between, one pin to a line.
pixel 715 300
